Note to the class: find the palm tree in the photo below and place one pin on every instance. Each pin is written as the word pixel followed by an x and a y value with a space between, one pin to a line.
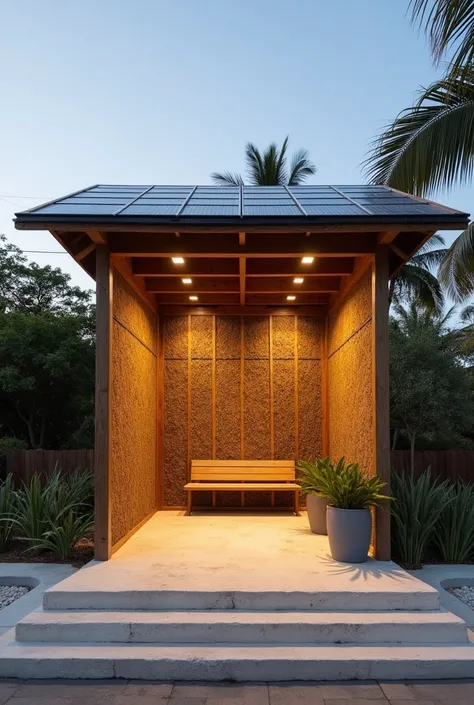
pixel 416 281
pixel 431 145
pixel 269 168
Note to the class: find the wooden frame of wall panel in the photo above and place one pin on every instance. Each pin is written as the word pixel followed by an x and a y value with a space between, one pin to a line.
pixel 381 395
pixel 103 385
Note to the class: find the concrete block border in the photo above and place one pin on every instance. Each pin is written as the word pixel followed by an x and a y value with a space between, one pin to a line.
pixel 38 576
pixel 442 576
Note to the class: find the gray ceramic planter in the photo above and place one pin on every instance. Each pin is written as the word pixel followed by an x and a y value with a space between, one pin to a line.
pixel 349 532
pixel 316 508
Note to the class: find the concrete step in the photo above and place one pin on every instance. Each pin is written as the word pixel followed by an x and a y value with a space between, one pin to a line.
pixel 223 627
pixel 243 662
pixel 418 596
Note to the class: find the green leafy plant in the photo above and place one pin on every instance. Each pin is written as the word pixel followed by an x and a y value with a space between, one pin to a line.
pixel 345 487
pixel 8 512
pixel 454 531
pixel 63 533
pixel 419 504
pixel 309 474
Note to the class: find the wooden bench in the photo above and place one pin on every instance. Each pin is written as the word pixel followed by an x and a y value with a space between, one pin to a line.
pixel 242 476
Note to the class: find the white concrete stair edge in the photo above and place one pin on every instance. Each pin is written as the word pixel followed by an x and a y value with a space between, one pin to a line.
pixel 240 663
pixel 420 597
pixel 234 626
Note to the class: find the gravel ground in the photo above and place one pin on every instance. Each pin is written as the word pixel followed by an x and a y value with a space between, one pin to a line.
pixel 465 594
pixel 10 593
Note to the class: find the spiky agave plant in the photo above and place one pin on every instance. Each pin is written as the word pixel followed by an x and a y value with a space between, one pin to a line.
pixel 418 506
pixel 454 531
pixel 8 511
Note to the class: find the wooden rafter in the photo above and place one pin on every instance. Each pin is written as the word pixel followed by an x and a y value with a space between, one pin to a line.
pixel 242 263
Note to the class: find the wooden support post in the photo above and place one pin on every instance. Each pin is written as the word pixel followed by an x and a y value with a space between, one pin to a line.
pixel 380 390
pixel 103 391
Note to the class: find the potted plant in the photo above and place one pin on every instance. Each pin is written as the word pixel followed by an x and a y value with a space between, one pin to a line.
pixel 309 477
pixel 349 495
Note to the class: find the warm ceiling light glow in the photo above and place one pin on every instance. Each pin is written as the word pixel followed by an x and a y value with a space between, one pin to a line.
pixel 193 298
pixel 298 280
pixel 307 260
pixel 186 280
pixel 290 298
pixel 177 260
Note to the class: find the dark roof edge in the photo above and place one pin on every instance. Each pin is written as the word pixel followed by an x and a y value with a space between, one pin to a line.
pixel 454 218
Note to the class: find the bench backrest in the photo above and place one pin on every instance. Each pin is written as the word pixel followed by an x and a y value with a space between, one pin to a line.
pixel 243 470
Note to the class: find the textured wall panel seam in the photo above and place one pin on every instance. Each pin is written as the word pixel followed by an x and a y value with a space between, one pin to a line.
pixel 213 382
pixel 242 400
pixel 352 335
pixel 117 320
pixel 296 390
pixel 272 408
pixel 190 430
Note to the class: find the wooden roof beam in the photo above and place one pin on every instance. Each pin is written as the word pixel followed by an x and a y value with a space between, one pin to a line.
pixel 229 267
pixel 295 245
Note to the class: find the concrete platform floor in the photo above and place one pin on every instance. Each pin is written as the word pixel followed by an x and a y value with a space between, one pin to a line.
pixel 239 551
pixel 15 692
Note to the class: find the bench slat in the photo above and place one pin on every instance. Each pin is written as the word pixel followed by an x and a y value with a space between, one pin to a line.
pixel 244 463
pixel 249 486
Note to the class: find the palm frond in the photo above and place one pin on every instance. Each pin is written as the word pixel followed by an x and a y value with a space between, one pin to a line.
pixel 467 314
pixel 429 145
pixel 226 178
pixel 416 283
pixel 301 168
pixel 431 259
pixel 456 272
pixel 449 24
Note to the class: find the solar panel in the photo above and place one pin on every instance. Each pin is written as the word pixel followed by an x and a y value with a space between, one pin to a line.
pixel 314 200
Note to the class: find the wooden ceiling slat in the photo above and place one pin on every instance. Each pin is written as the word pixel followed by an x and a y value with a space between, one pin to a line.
pixel 204 285
pixel 203 299
pixel 339 266
pixel 286 284
pixel 164 267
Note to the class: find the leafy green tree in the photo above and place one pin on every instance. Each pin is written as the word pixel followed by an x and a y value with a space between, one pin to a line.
pixel 28 288
pixel 46 354
pixel 46 373
pixel 270 167
pixel 430 389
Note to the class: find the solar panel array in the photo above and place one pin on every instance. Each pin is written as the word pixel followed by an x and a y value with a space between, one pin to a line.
pixel 212 201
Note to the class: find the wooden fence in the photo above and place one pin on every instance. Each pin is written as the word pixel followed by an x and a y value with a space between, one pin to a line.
pixel 445 464
pixel 25 463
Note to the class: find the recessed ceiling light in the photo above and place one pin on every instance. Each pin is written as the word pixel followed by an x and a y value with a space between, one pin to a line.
pixel 307 260
pixel 298 280
pixel 187 280
pixel 177 260
pixel 290 298
pixel 193 298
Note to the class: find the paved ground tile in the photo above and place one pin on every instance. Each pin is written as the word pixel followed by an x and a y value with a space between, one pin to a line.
pixel 355 691
pixel 158 690
pixel 69 689
pixel 295 694
pixel 444 690
pixel 250 694
pixel 397 691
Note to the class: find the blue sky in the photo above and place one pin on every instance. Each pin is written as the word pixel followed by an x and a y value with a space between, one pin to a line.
pixel 163 91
